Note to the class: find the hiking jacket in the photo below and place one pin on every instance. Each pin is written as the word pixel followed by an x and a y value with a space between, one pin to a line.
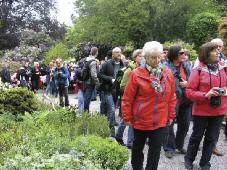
pixel 5 75
pixel 93 79
pixel 131 66
pixel 61 76
pixel 142 106
pixel 199 85
pixel 106 74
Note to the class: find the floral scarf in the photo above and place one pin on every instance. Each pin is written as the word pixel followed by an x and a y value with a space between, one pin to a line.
pixel 156 73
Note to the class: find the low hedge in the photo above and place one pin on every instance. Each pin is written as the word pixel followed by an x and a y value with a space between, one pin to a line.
pixel 47 139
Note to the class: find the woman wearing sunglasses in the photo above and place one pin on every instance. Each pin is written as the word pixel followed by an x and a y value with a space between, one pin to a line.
pixel 181 70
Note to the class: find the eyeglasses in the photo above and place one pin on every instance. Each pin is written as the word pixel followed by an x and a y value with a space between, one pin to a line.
pixel 181 53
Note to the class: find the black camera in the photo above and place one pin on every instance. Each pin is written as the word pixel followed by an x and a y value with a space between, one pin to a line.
pixel 221 91
pixel 215 101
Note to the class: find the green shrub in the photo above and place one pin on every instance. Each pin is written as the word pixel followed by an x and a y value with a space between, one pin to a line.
pixel 49 140
pixel 189 47
pixel 104 151
pixel 71 160
pixel 18 101
pixel 202 28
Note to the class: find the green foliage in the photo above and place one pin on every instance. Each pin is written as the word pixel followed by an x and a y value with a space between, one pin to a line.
pixel 189 47
pixel 32 38
pixel 59 50
pixel 203 27
pixel 44 135
pixel 223 32
pixel 18 101
pixel 71 160
pixel 104 151
pixel 117 22
pixel 49 140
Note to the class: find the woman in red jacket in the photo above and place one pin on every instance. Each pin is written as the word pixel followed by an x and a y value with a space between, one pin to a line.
pixel 207 89
pixel 148 105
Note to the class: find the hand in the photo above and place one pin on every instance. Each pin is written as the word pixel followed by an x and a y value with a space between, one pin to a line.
pixel 183 84
pixel 113 80
pixel 212 92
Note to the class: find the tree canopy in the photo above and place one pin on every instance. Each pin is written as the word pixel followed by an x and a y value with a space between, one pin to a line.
pixel 17 15
pixel 117 22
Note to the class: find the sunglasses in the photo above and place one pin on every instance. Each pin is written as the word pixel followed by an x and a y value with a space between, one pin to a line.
pixel 181 53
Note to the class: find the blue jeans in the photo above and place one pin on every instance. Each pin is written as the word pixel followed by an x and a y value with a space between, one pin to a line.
pixel 120 132
pixel 50 88
pixel 80 97
pixel 183 121
pixel 87 96
pixel 107 108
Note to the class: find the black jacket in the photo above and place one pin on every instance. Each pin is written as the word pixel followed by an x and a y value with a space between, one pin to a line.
pixel 5 75
pixel 106 74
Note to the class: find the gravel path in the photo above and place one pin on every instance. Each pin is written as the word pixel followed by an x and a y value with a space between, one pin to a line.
pixel 176 163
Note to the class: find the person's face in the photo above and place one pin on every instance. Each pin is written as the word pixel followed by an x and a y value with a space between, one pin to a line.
pixel 138 58
pixel 181 56
pixel 213 57
pixel 163 55
pixel 116 55
pixel 220 47
pixel 58 64
pixel 153 60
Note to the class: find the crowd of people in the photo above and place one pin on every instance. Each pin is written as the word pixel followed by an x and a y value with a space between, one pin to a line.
pixel 157 88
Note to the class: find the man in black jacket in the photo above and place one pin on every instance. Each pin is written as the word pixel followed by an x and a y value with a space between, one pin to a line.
pixel 110 86
pixel 5 74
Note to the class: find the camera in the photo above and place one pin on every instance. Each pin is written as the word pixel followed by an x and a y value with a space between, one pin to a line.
pixel 221 91
pixel 215 101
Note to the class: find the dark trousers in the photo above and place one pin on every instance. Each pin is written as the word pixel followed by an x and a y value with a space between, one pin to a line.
pixel 226 129
pixel 63 91
pixel 155 142
pixel 88 91
pixel 183 122
pixel 209 126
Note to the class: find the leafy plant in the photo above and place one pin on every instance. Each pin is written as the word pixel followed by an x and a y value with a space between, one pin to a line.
pixel 202 28
pixel 18 101
pixel 105 151
pixel 59 50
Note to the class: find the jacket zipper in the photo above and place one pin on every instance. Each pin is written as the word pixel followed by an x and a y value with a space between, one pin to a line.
pixel 155 111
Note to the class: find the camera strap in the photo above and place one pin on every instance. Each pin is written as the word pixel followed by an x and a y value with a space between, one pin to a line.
pixel 210 77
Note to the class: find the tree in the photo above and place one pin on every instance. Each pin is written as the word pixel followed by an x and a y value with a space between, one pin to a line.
pixel 117 22
pixel 59 50
pixel 202 28
pixel 17 15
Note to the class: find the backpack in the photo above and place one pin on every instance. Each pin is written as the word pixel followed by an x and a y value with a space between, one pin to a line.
pixel 82 73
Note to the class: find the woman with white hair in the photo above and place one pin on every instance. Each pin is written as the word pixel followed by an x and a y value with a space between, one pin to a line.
pixel 148 105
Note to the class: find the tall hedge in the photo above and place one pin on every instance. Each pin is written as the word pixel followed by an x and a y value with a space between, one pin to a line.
pixel 202 28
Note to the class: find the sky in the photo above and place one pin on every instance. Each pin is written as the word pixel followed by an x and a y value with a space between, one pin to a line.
pixel 65 10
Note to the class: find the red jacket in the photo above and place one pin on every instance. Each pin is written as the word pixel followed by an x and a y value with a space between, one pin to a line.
pixel 142 106
pixel 199 85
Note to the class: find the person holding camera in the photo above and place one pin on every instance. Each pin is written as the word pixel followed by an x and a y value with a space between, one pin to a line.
pixel 207 89
pixel 61 76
